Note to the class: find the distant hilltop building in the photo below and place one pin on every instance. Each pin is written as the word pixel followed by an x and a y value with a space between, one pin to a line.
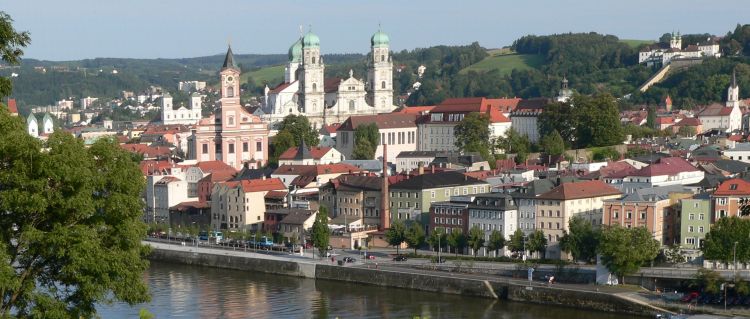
pixel 191 86
pixel 182 115
pixel 727 117
pixel 663 53
pixel 306 91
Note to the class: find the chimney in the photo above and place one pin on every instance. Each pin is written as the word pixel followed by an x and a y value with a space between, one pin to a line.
pixel 432 169
pixel 420 168
pixel 385 213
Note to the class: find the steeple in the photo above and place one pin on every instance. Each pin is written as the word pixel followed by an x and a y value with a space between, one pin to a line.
pixel 229 60
pixel 734 78
pixel 303 152
pixel 733 92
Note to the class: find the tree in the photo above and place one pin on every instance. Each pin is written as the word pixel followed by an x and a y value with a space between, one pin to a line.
pixel 396 234
pixel 537 242
pixel 299 126
pixel 496 241
pixel 415 236
pixel 11 44
pixel 516 243
pixel 320 233
pixel 71 228
pixel 438 238
pixel 624 250
pixel 553 144
pixel 708 279
pixel 651 118
pixel 581 240
pixel 473 135
pixel 456 239
pixel 366 139
pixel 514 143
pixel 719 242
pixel 476 239
pixel 603 126
pixel 282 142
pixel 674 255
pixel 686 131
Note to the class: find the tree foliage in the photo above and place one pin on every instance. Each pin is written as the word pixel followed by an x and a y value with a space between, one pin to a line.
pixel 475 239
pixel 709 280
pixel 456 240
pixel 624 250
pixel 320 233
pixel 396 234
pixel 516 243
pixel 473 133
pixel 537 242
pixel 581 241
pixel 292 131
pixel 415 236
pixel 514 143
pixel 12 43
pixel 71 231
pixel 719 242
pixel 553 144
pixel 496 241
pixel 366 139
pixel 438 238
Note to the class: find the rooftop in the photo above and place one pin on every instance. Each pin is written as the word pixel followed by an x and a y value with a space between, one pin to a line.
pixel 576 190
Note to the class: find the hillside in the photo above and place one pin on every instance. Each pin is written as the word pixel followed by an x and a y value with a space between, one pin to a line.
pixel 636 43
pixel 506 62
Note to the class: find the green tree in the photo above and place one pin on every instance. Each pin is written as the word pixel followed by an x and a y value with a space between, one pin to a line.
pixel 366 139
pixel 12 43
pixel 396 234
pixel 603 126
pixel 686 131
pixel 674 255
pixel 651 118
pixel 415 236
pixel 516 242
pixel 473 135
pixel 438 238
pixel 282 142
pixel 456 239
pixel 560 117
pixel 537 242
pixel 709 280
pixel 71 231
pixel 320 233
pixel 624 250
pixel 719 242
pixel 496 241
pixel 476 239
pixel 581 241
pixel 299 126
pixel 553 144
pixel 514 143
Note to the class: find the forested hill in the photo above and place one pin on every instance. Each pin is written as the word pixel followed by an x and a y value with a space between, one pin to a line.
pixel 532 66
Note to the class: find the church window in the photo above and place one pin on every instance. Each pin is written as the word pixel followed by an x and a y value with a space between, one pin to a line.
pixel 205 148
pixel 258 146
pixel 382 85
pixel 231 120
pixel 244 147
pixel 351 106
pixel 382 58
pixel 231 148
pixel 314 87
pixel 313 60
pixel 230 91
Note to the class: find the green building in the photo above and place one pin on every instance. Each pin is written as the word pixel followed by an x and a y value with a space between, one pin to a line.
pixel 695 222
pixel 410 199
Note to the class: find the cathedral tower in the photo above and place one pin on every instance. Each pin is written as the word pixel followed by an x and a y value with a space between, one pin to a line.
pixel 733 92
pixel 380 75
pixel 295 57
pixel 230 92
pixel 311 80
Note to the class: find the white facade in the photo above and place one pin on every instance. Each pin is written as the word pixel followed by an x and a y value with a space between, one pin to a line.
pixel 437 137
pixel 189 86
pixel 47 125
pixel 526 124
pixel 412 161
pixel 331 156
pixel 402 139
pixel 32 126
pixel 182 115
pixel 169 191
pixel 740 152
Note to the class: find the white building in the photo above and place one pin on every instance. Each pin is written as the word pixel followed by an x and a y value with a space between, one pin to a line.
pixel 181 115
pixel 740 152
pixel 667 171
pixel 663 54
pixel 240 205
pixel 302 155
pixel 726 117
pixel 524 119
pixel 493 212
pixel 32 126
pixel 169 191
pixel 86 102
pixel 191 86
pixel 397 130
pixel 436 130
pixel 410 160
pixel 306 91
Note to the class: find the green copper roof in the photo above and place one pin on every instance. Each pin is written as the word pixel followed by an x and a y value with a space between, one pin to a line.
pixel 379 39
pixel 310 40
pixel 295 51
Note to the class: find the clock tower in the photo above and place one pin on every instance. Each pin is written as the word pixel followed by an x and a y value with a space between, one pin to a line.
pixel 230 92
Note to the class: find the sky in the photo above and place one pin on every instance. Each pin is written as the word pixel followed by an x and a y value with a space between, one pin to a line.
pixel 79 29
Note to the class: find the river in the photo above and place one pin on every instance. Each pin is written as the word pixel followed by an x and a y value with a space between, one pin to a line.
pixel 180 291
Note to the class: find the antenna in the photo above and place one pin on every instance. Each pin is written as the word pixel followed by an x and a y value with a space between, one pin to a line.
pixel 300 31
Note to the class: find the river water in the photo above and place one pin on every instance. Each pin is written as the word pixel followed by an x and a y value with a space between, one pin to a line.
pixel 180 291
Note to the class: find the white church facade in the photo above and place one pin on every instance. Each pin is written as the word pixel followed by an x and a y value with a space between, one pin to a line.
pixel 182 115
pixel 306 91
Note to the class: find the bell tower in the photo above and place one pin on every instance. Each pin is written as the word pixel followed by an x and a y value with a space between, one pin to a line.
pixel 380 75
pixel 230 91
pixel 311 79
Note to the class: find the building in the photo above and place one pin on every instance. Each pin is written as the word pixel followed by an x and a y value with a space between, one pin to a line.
pixel 12 108
pixel 241 205
pixel 450 215
pixel 306 91
pixel 411 198
pixel 232 134
pixel 730 198
pixel 650 208
pixel 525 199
pixel 555 208
pixel 695 223
pixel 87 101
pixel 191 86
pixel 524 119
pixel 436 129
pixel 303 155
pixel 168 192
pixel 397 130
pixel 493 212
pixel 663 53
pixel 740 152
pixel 408 161
pixel 728 117
pixel 666 171
pixel 311 176
pixel 296 223
pixel 354 201
pixel 190 115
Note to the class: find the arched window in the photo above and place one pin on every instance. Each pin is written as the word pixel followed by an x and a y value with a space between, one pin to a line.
pixel 315 87
pixel 230 91
pixel 313 60
pixel 382 58
pixel 351 106
pixel 382 85
pixel 231 120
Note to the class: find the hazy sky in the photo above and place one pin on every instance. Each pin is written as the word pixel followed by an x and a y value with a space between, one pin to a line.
pixel 76 29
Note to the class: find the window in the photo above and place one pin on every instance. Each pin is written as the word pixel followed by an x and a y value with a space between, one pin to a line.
pixel 700 216
pixel 245 147
pixel 352 108
pixel 231 148
pixel 466 191
pixel 643 215
pixel 558 213
pixel 558 225
pixel 432 194
pixel 628 214
pixel 541 225
pixel 690 241
pixel 231 120
pixel 382 85
pixel 230 91
pixel 447 193
pixel 691 216
pixel 690 229
pixel 258 146
pixel 205 148
pixel 314 85
pixel 700 229
pixel 616 214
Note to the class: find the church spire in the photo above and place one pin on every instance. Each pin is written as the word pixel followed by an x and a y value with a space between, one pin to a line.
pixel 229 60
pixel 734 78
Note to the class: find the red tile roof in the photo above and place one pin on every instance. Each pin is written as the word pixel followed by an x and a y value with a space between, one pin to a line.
pixel 154 167
pixel 666 166
pixel 315 170
pixel 331 85
pixel 184 206
pixel 506 105
pixel 258 185
pixel 733 187
pixel 715 109
pixel 664 120
pixel 330 128
pixel 576 190
pixel 689 121
pixel 214 166
pixel 146 150
pixel 415 109
pixel 466 104
pixel 317 152
pixel 12 106
pixel 165 129
pixel 218 176
pixel 280 87
pixel 497 116
pixel 383 121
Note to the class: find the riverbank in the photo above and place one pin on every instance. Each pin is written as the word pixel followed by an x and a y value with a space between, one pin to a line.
pixel 388 275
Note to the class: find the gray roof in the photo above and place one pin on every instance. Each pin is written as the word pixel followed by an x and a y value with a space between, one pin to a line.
pixel 740 147
pixel 368 165
pixel 652 194
pixel 296 216
pixel 534 188
pixel 732 166
pixel 437 180
pixel 410 154
pixel 303 152
pixel 229 60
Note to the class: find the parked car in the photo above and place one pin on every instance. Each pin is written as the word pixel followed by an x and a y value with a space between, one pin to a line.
pixel 349 260
pixel 399 258
pixel 690 297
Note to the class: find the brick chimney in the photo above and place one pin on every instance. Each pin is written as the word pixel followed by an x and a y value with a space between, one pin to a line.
pixel 420 169
pixel 385 216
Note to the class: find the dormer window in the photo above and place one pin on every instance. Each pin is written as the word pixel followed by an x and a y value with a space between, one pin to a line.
pixel 733 187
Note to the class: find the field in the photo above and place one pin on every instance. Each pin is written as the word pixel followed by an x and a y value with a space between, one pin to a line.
pixel 505 62
pixel 635 43
pixel 271 75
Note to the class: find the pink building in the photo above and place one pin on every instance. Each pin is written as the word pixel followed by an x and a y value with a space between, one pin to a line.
pixel 232 134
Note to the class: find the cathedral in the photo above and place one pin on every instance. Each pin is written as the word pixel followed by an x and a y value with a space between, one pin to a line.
pixel 306 91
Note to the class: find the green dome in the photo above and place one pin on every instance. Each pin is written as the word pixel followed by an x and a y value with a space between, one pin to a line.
pixel 295 51
pixel 379 39
pixel 310 40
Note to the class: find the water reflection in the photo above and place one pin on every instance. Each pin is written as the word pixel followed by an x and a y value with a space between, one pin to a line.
pixel 180 291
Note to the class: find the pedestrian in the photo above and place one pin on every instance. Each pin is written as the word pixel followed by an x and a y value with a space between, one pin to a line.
pixel 551 280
